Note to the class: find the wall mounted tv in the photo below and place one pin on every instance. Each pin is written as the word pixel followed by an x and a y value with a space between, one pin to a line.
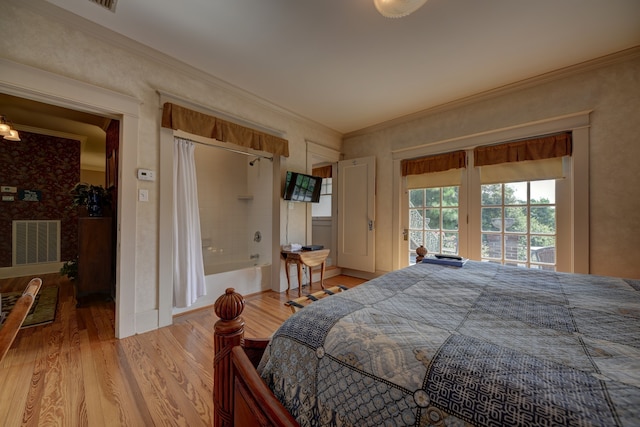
pixel 299 187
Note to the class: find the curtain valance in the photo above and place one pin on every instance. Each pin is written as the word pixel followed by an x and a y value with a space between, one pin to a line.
pixel 546 147
pixel 178 117
pixel 436 163
pixel 322 171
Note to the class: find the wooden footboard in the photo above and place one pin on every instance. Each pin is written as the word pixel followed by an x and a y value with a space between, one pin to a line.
pixel 240 397
pixel 17 315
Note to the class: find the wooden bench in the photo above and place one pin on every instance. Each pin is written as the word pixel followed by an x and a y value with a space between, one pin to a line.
pixel 303 301
pixel 17 315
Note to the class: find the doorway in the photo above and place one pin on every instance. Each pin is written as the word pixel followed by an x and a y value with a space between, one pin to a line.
pixel 323 217
pixel 57 91
pixel 58 148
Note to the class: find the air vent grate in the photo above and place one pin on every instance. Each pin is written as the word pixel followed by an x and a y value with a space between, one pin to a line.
pixel 35 242
pixel 107 4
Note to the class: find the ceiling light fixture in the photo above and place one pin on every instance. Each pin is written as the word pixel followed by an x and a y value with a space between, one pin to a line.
pixel 6 131
pixel 398 8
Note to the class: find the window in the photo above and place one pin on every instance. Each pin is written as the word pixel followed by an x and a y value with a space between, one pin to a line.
pixel 553 169
pixel 323 207
pixel 433 220
pixel 518 224
pixel 511 210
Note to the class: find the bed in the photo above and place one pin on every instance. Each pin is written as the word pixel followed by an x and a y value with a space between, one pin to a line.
pixel 480 345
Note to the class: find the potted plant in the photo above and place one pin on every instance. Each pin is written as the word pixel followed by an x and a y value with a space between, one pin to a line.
pixel 94 197
pixel 70 269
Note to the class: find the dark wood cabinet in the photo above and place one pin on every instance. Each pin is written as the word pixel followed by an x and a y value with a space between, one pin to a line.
pixel 95 256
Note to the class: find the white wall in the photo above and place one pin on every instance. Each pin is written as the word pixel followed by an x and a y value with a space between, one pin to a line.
pixel 43 39
pixel 610 88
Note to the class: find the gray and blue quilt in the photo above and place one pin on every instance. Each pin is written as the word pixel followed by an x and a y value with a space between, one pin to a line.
pixel 481 345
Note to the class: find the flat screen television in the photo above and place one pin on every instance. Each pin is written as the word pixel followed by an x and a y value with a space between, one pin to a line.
pixel 300 187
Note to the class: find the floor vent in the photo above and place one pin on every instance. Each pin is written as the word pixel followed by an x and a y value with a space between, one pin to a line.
pixel 36 242
pixel 107 4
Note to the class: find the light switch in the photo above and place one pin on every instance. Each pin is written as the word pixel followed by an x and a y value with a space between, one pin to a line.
pixel 143 195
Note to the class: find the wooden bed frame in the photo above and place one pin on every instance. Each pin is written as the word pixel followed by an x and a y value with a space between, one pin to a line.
pixel 240 397
pixel 17 315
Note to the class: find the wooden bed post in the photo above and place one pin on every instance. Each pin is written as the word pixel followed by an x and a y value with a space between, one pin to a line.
pixel 228 333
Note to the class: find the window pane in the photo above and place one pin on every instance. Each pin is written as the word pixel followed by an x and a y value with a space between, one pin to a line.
pixel 515 193
pixel 543 219
pixel 415 240
pixel 415 218
pixel 433 241
pixel 326 186
pixel 543 192
pixel 541 242
pixel 515 247
pixel 491 246
pixel 491 194
pixel 450 196
pixel 515 219
pixel 450 243
pixel 449 219
pixel 323 208
pixel 432 219
pixel 491 219
pixel 416 198
pixel 546 254
pixel 433 196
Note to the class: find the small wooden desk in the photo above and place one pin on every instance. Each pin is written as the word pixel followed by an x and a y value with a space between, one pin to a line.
pixel 308 258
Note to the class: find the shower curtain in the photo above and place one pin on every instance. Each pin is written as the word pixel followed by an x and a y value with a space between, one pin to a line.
pixel 188 270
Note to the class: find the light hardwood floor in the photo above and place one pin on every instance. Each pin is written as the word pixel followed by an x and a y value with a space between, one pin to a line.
pixel 74 372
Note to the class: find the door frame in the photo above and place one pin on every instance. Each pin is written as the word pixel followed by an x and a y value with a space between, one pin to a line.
pixel 43 86
pixel 317 153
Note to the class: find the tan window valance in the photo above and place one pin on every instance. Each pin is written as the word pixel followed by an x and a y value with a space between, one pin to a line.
pixel 436 163
pixel 178 117
pixel 546 147
pixel 323 171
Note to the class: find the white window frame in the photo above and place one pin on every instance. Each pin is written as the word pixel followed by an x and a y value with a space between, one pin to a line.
pixel 572 222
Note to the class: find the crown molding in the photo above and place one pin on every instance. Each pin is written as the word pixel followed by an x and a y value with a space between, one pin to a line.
pixel 604 61
pixel 91 29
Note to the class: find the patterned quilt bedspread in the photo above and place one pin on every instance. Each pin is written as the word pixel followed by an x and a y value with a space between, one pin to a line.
pixel 481 345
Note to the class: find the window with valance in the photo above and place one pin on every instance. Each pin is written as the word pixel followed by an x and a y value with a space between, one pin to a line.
pixel 526 160
pixel 434 171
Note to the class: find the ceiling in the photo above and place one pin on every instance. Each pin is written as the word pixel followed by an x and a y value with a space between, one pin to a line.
pixel 343 65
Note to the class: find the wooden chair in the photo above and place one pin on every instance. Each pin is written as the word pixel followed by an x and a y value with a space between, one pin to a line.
pixel 303 301
pixel 17 315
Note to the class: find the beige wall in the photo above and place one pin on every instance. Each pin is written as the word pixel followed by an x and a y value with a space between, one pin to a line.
pixel 611 90
pixel 43 40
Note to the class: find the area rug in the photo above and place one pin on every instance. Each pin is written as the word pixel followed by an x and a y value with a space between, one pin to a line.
pixel 42 311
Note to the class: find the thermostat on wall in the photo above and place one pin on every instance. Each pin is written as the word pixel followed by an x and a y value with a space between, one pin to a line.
pixel 146 175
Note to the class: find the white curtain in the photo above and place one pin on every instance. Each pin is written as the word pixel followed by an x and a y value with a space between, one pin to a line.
pixel 188 270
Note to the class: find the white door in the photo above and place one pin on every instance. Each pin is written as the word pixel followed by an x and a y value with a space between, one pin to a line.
pixel 356 214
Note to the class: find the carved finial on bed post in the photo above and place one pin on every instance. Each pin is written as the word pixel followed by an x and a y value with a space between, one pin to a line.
pixel 228 332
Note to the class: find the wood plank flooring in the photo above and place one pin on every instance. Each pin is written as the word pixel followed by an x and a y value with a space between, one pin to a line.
pixel 74 372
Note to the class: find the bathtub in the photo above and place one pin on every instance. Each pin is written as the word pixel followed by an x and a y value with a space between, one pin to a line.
pixel 244 276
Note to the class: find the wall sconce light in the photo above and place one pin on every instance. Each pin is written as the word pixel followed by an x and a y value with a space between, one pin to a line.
pixel 7 131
